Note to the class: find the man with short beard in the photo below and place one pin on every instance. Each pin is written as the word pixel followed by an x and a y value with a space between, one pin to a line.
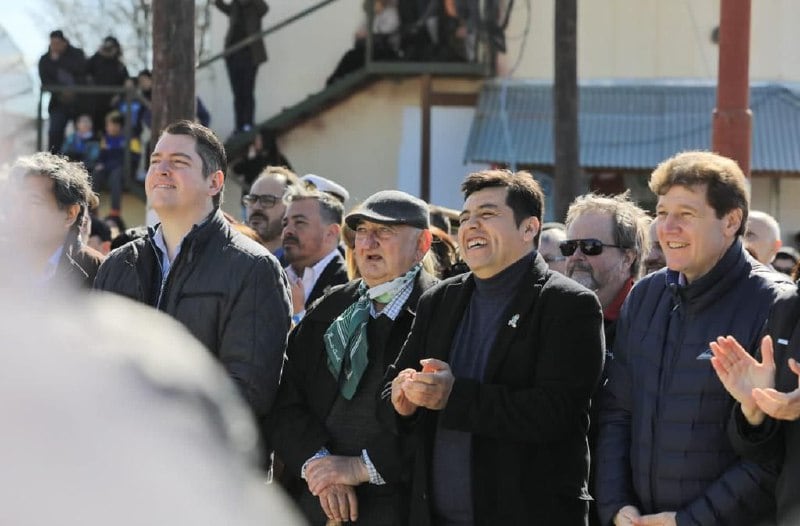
pixel 312 227
pixel 264 206
pixel 607 240
pixel 606 244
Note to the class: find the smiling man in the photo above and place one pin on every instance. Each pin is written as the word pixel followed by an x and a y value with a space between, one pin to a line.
pixel 510 354
pixel 326 428
pixel 664 455
pixel 228 290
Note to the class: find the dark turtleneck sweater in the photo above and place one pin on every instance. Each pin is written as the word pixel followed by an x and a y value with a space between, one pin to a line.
pixel 469 353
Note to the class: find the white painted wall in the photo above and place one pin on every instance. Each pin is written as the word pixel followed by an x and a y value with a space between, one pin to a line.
pixel 370 141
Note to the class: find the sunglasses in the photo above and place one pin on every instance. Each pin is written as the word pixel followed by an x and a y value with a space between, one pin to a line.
pixel 589 247
pixel 266 200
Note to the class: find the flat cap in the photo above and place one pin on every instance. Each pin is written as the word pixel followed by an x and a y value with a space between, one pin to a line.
pixel 391 207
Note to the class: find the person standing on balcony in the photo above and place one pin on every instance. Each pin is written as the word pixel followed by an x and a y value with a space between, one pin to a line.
pixel 245 20
pixel 105 68
pixel 62 65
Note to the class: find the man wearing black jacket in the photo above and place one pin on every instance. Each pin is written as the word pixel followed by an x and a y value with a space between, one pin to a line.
pixel 228 290
pixel 510 353
pixel 765 422
pixel 312 226
pixel 325 426
pixel 62 65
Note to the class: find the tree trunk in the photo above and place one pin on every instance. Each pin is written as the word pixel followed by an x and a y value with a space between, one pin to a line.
pixel 173 62
pixel 567 175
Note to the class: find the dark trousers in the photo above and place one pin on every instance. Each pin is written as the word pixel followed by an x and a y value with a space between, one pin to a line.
pixel 55 132
pixel 112 178
pixel 242 75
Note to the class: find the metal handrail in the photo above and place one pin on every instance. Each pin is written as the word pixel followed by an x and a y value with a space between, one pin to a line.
pixel 482 39
pixel 258 36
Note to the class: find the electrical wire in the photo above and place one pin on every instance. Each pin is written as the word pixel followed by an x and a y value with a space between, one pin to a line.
pixel 698 37
pixel 524 40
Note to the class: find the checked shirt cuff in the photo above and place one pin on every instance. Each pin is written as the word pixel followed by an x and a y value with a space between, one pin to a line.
pixel 374 476
pixel 323 452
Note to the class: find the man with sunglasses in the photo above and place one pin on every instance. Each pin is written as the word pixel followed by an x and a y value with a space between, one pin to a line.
pixel 264 206
pixel 510 354
pixel 605 245
pixel 663 454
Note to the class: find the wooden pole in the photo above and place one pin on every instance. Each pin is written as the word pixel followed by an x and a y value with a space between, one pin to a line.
pixel 732 129
pixel 173 62
pixel 566 173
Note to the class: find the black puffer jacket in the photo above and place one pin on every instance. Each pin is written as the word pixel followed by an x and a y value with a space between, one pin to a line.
pixel 229 291
pixel 662 444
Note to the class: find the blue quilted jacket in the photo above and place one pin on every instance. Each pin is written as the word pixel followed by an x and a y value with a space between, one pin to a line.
pixel 662 440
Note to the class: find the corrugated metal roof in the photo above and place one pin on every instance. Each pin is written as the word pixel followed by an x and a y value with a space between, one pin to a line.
pixel 627 124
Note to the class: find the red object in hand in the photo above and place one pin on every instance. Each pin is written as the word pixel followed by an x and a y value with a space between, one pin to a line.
pixel 428 368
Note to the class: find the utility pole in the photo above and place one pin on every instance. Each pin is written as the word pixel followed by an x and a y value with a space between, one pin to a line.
pixel 565 99
pixel 173 62
pixel 732 129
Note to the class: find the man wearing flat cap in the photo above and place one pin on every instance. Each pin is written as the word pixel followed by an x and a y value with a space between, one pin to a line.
pixel 510 354
pixel 341 464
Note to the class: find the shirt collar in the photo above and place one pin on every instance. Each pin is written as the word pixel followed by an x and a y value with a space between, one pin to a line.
pixel 393 308
pixel 317 269
pixel 52 264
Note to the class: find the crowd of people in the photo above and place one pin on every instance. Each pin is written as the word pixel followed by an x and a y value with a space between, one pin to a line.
pixel 99 138
pixel 613 369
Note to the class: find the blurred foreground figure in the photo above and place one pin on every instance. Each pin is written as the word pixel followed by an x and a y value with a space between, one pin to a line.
pixel 47 200
pixel 125 427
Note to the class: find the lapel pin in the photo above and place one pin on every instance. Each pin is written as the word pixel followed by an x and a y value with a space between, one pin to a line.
pixel 513 321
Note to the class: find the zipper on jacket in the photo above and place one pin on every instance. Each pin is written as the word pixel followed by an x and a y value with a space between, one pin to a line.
pixel 680 314
pixel 163 291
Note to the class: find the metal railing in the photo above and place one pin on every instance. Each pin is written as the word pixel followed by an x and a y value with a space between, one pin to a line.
pixel 268 31
pixel 484 51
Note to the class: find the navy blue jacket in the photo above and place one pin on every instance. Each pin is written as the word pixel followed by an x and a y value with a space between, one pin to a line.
pixel 663 443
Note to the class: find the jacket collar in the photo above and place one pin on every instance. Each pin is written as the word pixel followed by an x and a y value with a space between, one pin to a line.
pixel 728 271
pixel 457 294
pixel 200 233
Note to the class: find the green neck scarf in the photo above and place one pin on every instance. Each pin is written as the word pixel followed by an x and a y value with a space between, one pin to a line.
pixel 346 338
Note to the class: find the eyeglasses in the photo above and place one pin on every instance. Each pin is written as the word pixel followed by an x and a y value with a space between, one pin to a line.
pixel 589 247
pixel 266 200
pixel 382 233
